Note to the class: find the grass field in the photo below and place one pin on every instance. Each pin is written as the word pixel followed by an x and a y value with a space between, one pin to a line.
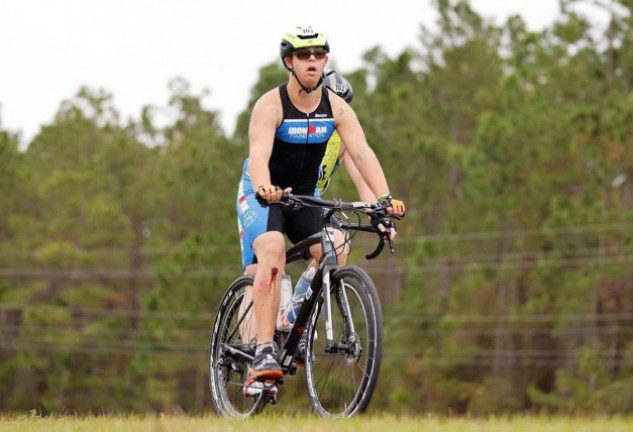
pixel 32 423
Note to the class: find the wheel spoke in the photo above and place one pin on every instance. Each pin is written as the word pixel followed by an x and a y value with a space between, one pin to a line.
pixel 228 368
pixel 341 381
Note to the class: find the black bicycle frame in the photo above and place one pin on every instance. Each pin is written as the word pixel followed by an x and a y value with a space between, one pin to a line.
pixel 321 279
pixel 327 264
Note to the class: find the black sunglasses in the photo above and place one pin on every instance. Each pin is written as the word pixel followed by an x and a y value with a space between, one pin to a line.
pixel 304 54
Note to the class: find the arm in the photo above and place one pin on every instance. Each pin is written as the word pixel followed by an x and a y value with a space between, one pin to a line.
pixel 265 117
pixel 359 152
pixel 364 191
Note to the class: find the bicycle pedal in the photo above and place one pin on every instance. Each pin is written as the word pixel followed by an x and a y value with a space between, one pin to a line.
pixel 260 387
pixel 292 369
pixel 271 391
pixel 271 384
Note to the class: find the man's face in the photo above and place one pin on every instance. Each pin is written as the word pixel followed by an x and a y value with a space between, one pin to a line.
pixel 309 63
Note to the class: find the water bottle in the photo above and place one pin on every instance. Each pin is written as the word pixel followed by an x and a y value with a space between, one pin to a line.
pixel 284 300
pixel 299 295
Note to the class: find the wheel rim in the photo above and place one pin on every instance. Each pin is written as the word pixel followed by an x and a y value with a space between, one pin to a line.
pixel 228 374
pixel 338 379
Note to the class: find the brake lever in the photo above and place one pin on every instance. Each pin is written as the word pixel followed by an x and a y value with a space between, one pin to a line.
pixel 390 243
pixel 379 248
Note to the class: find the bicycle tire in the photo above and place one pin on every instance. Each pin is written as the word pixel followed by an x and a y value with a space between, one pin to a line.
pixel 341 382
pixel 227 373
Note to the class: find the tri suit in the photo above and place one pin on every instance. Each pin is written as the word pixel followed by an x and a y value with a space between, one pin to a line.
pixel 298 150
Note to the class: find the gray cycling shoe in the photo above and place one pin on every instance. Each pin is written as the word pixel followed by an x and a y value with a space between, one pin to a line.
pixel 265 366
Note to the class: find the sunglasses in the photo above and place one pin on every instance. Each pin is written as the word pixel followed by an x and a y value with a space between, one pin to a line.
pixel 304 54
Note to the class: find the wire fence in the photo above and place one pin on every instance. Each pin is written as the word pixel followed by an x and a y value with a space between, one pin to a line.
pixel 126 331
pixel 618 251
pixel 506 340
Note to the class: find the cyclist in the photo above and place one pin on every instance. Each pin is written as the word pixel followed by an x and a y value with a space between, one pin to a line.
pixel 288 132
pixel 335 155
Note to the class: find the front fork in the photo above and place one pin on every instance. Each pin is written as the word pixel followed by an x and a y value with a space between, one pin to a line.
pixel 328 266
pixel 343 305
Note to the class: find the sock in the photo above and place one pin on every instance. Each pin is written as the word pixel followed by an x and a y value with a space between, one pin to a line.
pixel 268 346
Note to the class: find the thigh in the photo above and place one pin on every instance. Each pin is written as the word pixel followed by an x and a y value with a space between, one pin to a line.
pixel 254 220
pixel 303 223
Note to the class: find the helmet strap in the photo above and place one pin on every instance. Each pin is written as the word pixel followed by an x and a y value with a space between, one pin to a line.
pixel 304 88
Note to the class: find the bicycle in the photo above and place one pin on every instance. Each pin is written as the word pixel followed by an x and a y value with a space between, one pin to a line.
pixel 343 361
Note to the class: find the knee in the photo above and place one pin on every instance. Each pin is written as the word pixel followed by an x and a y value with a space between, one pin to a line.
pixel 316 252
pixel 341 240
pixel 272 251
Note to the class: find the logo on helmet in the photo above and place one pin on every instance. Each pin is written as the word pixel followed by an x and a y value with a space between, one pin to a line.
pixel 307 31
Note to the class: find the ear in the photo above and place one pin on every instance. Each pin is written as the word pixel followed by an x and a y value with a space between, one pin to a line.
pixel 288 62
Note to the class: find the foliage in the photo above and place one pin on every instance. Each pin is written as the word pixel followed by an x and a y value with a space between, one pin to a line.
pixel 511 290
pixel 273 421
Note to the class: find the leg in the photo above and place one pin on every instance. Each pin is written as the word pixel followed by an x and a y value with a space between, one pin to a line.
pixel 227 372
pixel 341 245
pixel 261 228
pixel 248 327
pixel 271 257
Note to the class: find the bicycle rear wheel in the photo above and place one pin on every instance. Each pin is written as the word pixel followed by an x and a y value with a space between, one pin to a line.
pixel 342 374
pixel 228 369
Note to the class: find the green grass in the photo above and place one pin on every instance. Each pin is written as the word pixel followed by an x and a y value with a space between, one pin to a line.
pixel 31 423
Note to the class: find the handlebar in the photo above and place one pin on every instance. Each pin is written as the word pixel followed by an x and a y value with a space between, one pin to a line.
pixel 381 222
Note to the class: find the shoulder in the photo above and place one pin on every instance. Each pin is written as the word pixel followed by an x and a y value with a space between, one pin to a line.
pixel 268 106
pixel 341 110
pixel 271 97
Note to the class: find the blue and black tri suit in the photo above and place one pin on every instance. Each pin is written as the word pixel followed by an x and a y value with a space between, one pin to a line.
pixel 298 149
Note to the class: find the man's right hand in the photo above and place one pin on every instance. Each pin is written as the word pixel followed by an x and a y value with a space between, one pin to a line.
pixel 271 194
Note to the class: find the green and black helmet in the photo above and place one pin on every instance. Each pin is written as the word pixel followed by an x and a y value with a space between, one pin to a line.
pixel 301 37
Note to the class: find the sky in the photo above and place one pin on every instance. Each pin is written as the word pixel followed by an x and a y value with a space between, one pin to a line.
pixel 133 48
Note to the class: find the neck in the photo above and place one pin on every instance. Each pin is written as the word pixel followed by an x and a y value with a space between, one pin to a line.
pixel 301 99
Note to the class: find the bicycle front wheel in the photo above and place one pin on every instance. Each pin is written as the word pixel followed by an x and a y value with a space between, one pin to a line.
pixel 342 373
pixel 228 367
